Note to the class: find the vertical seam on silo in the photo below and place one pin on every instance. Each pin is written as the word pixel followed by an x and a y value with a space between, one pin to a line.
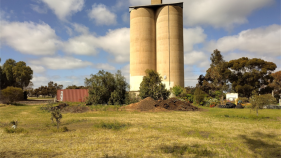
pixel 169 45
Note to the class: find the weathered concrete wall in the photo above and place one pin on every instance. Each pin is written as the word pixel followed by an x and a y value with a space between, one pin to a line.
pixel 142 44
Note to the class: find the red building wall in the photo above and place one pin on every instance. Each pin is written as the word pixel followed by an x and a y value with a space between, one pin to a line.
pixel 72 95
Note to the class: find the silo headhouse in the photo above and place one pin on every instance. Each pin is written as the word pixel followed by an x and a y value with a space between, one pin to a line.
pixel 156 42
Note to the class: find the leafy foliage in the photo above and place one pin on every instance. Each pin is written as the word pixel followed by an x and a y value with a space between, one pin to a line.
pixel 199 96
pixel 76 87
pixel 151 86
pixel 12 94
pixel 177 90
pixel 250 74
pixel 56 114
pixel 15 74
pixel 276 84
pixel 105 87
pixel 258 101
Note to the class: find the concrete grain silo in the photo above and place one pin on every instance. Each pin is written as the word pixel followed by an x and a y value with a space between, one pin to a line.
pixel 156 43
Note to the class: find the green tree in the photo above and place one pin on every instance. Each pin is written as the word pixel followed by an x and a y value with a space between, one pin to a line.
pixel 12 94
pixel 105 87
pixel 52 88
pixel 216 77
pixel 152 86
pixel 258 101
pixel 249 75
pixel 16 74
pixel 76 87
pixel 177 90
pixel 118 96
pixel 23 74
pixel 8 71
pixel 275 84
pixel 199 95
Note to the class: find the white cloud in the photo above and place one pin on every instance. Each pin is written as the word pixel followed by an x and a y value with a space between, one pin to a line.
pixel 29 38
pixel 103 66
pixel 37 69
pixel 64 9
pixel 102 15
pixel 39 81
pixel 80 28
pixel 197 58
pixel 117 42
pixel 82 45
pixel 193 36
pixel 57 63
pixel 216 13
pixel 261 41
pixel 38 9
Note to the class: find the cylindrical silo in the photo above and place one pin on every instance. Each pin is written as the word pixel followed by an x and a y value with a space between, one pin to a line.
pixel 169 45
pixel 142 45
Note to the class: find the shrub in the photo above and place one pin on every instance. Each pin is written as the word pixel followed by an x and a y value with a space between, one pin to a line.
pixel 131 98
pixel 177 90
pixel 25 95
pixel 199 96
pixel 244 100
pixel 258 101
pixel 152 86
pixel 12 94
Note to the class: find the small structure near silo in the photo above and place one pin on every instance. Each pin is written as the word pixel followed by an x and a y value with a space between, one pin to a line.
pixel 231 96
pixel 72 95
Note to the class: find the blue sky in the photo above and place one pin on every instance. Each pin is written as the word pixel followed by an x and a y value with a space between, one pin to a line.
pixel 65 41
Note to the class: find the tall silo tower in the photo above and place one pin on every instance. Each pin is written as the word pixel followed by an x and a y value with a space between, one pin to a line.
pixel 156 43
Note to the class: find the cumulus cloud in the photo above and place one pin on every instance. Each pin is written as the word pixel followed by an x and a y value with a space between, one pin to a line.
pixel 57 63
pixel 262 41
pixel 38 9
pixel 103 66
pixel 39 81
pixel 80 28
pixel 193 36
pixel 29 38
pixel 82 45
pixel 64 9
pixel 116 42
pixel 216 13
pixel 196 58
pixel 101 15
pixel 37 69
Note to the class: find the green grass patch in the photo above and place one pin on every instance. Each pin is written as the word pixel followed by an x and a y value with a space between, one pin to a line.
pixel 111 125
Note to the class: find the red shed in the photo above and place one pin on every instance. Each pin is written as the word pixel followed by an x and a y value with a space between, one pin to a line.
pixel 72 95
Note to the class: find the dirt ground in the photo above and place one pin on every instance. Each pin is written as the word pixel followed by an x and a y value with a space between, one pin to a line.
pixel 172 104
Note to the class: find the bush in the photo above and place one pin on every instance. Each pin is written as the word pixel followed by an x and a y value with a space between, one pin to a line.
pixel 177 90
pixel 258 101
pixel 244 100
pixel 131 98
pixel 199 96
pixel 152 86
pixel 12 94
pixel 25 95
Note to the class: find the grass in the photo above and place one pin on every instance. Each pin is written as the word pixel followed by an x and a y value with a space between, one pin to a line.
pixel 40 98
pixel 214 132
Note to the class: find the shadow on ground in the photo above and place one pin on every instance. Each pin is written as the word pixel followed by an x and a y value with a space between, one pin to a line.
pixel 179 150
pixel 265 149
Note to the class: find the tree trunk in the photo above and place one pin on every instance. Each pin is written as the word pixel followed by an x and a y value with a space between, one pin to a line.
pixel 257 111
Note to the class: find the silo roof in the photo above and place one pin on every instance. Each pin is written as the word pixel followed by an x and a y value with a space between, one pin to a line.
pixel 180 4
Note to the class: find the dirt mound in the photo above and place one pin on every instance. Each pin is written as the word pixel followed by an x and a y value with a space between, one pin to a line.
pixel 149 104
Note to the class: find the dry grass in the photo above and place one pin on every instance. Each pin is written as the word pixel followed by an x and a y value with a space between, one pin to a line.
pixel 211 133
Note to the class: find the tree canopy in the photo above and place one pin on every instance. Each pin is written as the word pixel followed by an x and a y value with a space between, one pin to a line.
pixel 248 75
pixel 105 87
pixel 152 86
pixel 15 74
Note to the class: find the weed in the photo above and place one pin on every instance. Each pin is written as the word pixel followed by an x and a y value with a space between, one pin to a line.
pixel 111 125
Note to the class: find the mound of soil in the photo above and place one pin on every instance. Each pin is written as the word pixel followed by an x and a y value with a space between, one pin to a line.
pixel 172 104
